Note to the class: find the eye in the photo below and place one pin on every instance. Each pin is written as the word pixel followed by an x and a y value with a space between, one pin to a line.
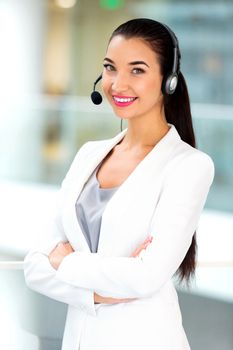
pixel 109 67
pixel 138 71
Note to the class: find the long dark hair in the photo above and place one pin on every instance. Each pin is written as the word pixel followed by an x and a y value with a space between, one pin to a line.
pixel 176 106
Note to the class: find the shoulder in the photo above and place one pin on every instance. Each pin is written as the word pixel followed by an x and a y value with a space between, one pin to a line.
pixel 87 152
pixel 191 154
pixel 189 164
pixel 196 158
pixel 89 148
pixel 184 155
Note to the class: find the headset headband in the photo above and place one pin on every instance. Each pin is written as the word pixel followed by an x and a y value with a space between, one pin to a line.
pixel 175 67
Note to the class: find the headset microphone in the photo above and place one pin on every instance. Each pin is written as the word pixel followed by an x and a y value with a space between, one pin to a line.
pixel 96 96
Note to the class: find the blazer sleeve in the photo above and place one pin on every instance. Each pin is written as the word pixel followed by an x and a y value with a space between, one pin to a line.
pixel 41 276
pixel 173 224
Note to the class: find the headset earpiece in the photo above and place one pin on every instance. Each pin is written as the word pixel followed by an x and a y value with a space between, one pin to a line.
pixel 169 83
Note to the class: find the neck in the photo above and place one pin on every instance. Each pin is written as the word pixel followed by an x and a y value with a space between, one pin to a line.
pixel 144 134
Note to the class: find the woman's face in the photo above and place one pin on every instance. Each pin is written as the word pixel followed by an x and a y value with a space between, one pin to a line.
pixel 132 79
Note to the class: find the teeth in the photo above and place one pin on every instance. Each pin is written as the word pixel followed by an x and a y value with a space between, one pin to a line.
pixel 124 99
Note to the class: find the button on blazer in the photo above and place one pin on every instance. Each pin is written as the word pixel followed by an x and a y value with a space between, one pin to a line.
pixel 162 197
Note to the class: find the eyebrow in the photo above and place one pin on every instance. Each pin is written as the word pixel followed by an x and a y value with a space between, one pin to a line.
pixel 131 63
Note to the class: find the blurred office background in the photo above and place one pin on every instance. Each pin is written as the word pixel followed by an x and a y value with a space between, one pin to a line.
pixel 51 53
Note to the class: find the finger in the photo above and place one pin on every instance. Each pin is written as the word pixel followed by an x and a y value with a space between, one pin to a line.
pixel 149 239
pixel 68 247
pixel 57 247
pixel 142 247
pixel 61 246
pixel 136 252
pixel 61 249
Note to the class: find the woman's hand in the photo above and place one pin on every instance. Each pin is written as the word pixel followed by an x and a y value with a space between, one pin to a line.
pixel 59 253
pixel 105 300
pixel 142 246
pixel 100 299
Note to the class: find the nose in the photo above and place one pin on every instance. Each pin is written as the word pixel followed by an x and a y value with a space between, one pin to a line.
pixel 120 83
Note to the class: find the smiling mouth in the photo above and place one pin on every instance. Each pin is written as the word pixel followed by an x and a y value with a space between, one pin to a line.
pixel 123 101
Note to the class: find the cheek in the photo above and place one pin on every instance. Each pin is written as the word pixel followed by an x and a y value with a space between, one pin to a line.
pixel 158 88
pixel 105 84
pixel 151 89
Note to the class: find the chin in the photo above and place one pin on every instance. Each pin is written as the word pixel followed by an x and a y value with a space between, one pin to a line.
pixel 123 114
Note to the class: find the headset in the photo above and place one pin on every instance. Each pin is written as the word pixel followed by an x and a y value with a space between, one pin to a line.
pixel 169 82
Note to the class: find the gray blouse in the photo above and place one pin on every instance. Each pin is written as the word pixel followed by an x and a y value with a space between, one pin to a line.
pixel 90 206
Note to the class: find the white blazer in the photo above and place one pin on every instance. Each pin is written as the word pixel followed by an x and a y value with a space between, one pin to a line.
pixel 162 197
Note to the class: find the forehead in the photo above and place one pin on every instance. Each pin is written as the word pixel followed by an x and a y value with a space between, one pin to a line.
pixel 129 50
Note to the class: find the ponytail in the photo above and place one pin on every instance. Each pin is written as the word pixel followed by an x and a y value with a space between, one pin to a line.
pixel 178 112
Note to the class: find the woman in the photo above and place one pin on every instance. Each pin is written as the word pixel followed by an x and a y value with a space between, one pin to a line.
pixel 129 206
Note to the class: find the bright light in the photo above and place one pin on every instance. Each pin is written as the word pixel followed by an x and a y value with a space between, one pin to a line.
pixel 65 3
pixel 111 4
pixel 14 73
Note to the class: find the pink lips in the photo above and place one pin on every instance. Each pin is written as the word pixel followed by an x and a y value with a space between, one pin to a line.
pixel 120 101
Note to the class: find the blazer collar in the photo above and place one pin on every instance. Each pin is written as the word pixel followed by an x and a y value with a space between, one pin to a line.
pixel 154 160
pixel 101 151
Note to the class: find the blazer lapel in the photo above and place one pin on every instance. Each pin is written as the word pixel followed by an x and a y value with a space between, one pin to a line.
pixel 84 170
pixel 130 209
